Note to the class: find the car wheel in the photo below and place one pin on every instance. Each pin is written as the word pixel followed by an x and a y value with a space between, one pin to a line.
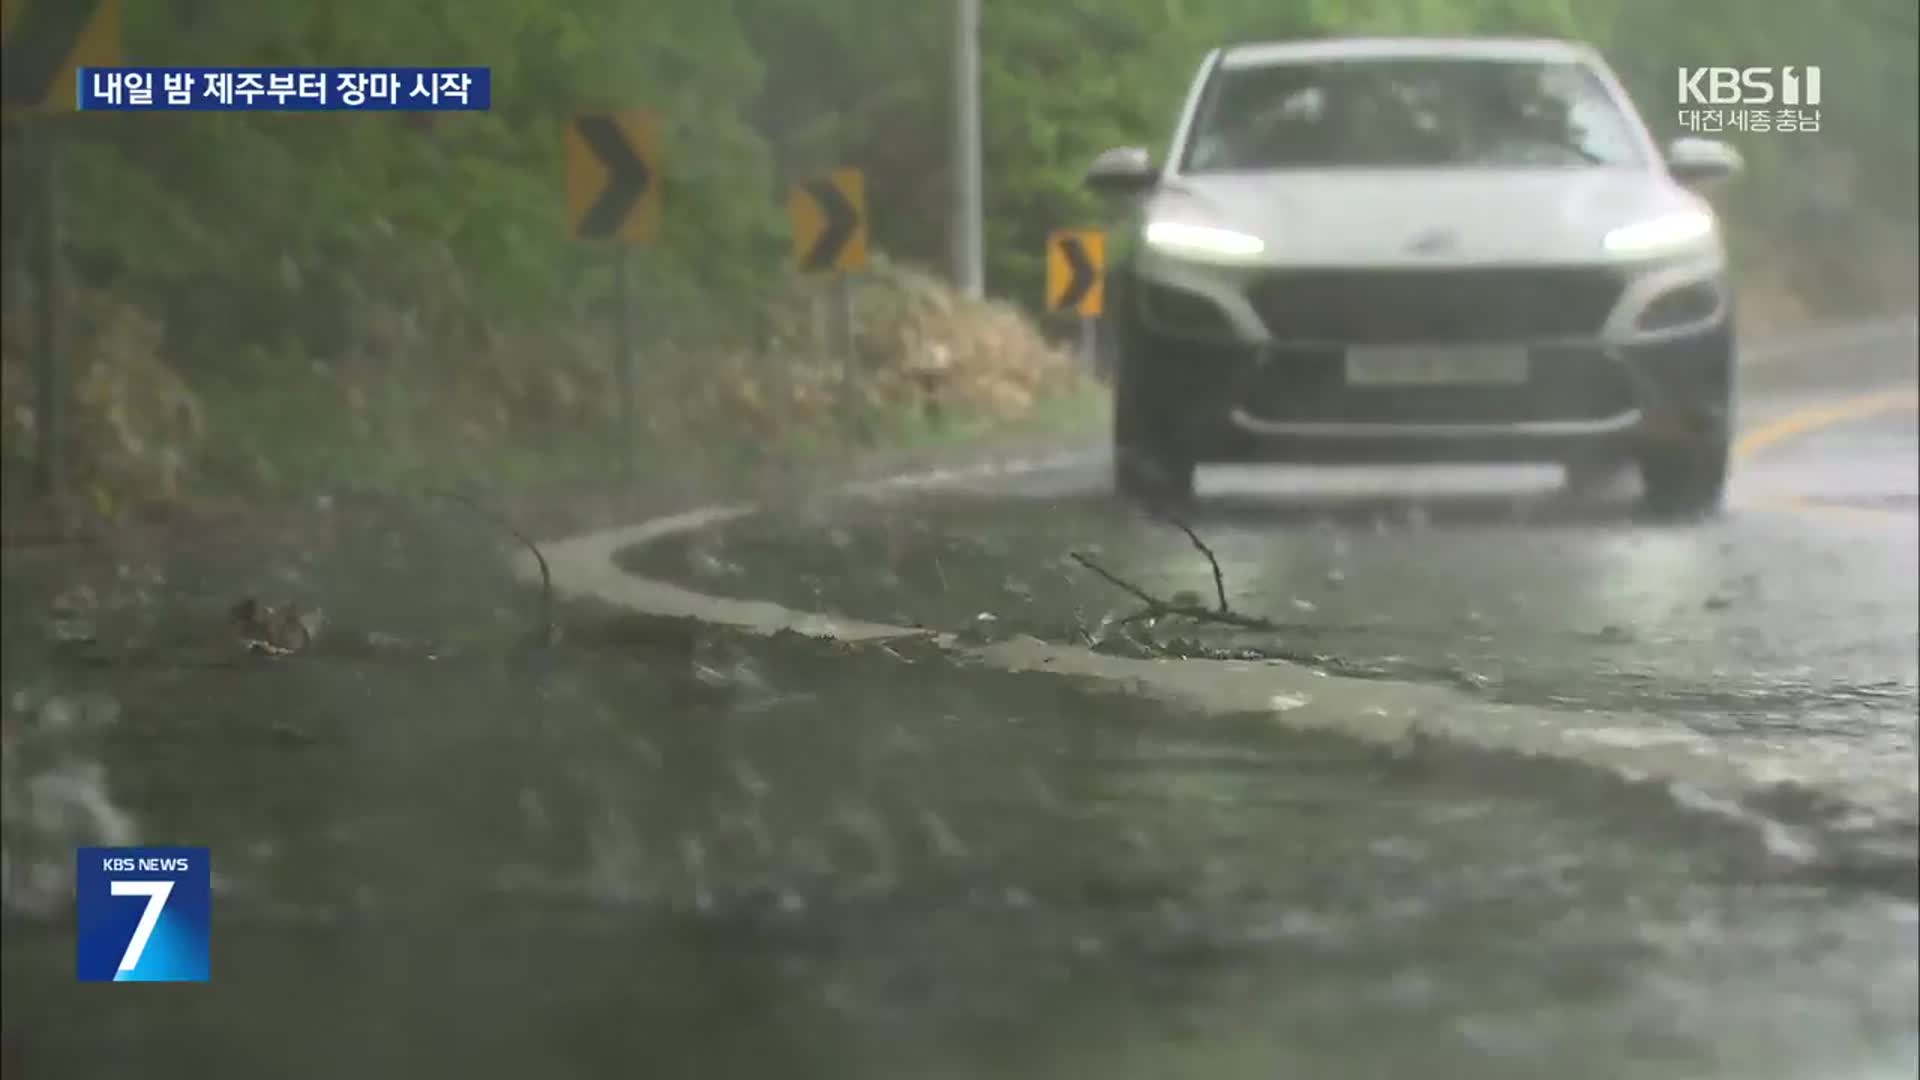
pixel 1149 461
pixel 1686 479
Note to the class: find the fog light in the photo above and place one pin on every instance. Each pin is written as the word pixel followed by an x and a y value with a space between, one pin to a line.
pixel 1683 306
pixel 1183 311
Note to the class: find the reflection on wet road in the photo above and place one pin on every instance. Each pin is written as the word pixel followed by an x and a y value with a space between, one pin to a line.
pixel 1790 618
pixel 853 866
pixel 805 858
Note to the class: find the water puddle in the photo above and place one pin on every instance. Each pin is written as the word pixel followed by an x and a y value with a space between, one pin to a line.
pixel 684 849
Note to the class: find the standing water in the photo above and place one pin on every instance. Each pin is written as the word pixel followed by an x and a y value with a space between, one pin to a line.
pixel 805 859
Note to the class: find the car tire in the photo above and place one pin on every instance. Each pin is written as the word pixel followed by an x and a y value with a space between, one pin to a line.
pixel 1685 480
pixel 1150 462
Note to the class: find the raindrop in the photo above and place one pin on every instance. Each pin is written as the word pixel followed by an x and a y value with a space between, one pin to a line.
pixel 78 598
pixel 1412 989
pixel 60 715
pixel 534 811
pixel 706 564
pixel 750 780
pixel 941 835
pixel 1398 848
pixel 71 631
pixel 693 854
pixel 645 749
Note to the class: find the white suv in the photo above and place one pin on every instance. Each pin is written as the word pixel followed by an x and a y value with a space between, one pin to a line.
pixel 1408 250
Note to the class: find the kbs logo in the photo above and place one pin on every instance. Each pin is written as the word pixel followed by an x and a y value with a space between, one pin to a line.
pixel 143 914
pixel 1750 99
pixel 1750 86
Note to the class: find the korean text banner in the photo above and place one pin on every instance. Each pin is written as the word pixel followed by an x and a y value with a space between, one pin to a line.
pixel 284 89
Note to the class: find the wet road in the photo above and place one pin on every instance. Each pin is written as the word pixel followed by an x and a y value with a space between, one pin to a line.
pixel 813 858
pixel 1786 627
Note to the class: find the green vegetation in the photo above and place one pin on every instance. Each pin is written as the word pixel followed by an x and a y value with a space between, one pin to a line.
pixel 365 297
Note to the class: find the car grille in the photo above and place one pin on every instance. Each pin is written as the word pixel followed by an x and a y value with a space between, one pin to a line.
pixel 1403 307
pixel 1309 385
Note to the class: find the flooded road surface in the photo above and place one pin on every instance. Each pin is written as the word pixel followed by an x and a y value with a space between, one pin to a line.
pixel 856 866
pixel 667 851
pixel 1786 629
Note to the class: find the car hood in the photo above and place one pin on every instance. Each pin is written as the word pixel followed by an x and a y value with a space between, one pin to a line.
pixel 1422 217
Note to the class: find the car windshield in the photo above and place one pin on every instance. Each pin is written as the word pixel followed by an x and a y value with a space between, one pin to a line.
pixel 1409 113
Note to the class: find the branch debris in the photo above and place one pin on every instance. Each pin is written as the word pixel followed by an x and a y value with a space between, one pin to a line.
pixel 549 633
pixel 1219 579
pixel 1157 607
pixel 1120 583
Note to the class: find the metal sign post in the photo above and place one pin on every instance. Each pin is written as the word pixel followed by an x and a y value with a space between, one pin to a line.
pixel 43 46
pixel 829 217
pixel 50 343
pixel 613 194
pixel 623 360
pixel 1076 283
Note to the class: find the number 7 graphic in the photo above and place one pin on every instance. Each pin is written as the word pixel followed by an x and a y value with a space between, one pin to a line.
pixel 156 893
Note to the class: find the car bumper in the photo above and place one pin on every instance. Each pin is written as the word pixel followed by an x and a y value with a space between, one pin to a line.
pixel 1648 360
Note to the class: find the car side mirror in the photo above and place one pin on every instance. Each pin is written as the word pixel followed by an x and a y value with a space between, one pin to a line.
pixel 1124 170
pixel 1701 162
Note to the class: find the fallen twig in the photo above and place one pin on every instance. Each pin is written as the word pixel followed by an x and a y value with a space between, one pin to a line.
pixel 1219 579
pixel 1118 582
pixel 1156 607
pixel 546 575
pixel 1159 608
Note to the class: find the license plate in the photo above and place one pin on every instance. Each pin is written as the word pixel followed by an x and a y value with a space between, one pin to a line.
pixel 1434 366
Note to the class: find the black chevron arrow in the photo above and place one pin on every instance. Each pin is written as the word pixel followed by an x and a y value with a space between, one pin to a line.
pixel 1083 275
pixel 43 36
pixel 842 220
pixel 627 176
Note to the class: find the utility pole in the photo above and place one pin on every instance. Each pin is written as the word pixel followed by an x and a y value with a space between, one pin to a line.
pixel 49 420
pixel 969 273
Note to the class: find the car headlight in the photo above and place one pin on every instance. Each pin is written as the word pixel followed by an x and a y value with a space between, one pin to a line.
pixel 1661 234
pixel 1202 241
